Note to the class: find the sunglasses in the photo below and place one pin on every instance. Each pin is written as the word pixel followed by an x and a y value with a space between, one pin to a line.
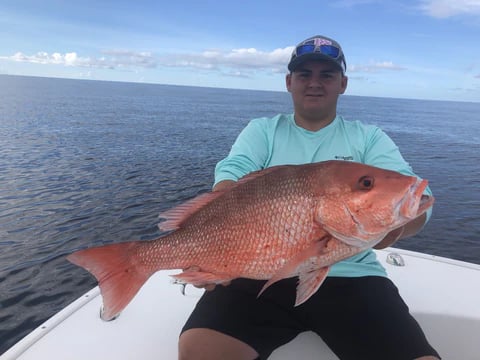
pixel 329 50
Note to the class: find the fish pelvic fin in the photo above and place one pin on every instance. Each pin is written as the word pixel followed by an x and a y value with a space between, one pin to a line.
pixel 119 278
pixel 305 261
pixel 308 284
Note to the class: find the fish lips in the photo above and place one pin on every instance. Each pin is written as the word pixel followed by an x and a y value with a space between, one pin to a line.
pixel 415 202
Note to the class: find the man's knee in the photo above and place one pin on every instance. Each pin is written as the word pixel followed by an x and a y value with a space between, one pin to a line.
pixel 209 344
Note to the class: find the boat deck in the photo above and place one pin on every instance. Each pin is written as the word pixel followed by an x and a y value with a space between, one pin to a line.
pixel 443 295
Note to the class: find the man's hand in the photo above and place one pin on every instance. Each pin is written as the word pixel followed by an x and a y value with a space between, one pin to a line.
pixel 210 287
pixel 206 286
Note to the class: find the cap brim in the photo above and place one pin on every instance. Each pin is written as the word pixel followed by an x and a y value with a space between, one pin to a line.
pixel 293 65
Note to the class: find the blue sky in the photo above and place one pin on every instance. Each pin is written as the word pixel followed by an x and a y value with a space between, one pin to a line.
pixel 425 49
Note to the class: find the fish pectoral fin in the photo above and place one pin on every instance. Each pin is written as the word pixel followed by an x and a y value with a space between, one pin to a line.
pixel 304 261
pixel 200 278
pixel 308 284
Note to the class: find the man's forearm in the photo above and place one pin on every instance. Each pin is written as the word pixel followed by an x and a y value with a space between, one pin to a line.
pixel 223 185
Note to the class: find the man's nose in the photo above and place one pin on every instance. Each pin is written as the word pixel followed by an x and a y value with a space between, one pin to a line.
pixel 315 81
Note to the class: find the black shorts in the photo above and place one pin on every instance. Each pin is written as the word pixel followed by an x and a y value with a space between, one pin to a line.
pixel 358 318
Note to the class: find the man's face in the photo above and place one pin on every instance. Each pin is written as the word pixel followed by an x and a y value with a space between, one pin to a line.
pixel 315 87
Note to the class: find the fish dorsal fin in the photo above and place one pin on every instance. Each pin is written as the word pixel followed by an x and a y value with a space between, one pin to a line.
pixel 176 216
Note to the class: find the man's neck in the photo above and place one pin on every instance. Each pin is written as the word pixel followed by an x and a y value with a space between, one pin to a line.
pixel 313 123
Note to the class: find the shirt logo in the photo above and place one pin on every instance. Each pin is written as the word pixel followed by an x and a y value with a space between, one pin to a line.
pixel 346 158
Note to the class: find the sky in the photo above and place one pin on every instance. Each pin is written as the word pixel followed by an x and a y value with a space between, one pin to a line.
pixel 421 49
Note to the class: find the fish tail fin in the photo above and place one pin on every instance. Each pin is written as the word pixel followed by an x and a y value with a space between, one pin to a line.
pixel 119 278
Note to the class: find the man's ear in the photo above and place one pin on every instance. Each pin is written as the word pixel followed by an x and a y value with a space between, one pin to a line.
pixel 288 81
pixel 344 84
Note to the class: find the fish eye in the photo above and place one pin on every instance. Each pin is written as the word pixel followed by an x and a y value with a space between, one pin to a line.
pixel 365 182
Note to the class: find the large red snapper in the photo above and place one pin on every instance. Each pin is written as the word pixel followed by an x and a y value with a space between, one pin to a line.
pixel 284 221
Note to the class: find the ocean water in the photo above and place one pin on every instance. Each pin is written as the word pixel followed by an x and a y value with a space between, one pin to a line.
pixel 87 163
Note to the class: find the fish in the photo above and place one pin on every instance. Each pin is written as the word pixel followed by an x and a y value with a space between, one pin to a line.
pixel 279 222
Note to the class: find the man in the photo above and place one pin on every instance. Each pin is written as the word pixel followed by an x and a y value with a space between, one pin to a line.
pixel 357 311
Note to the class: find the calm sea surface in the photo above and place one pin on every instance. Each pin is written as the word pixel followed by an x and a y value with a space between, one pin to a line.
pixel 87 163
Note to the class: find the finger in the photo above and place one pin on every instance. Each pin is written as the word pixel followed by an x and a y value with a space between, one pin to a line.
pixel 208 287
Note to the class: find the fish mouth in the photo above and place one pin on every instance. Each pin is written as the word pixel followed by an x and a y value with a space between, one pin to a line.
pixel 415 202
pixel 426 202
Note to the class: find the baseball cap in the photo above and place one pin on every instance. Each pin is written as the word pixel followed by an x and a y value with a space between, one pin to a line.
pixel 318 47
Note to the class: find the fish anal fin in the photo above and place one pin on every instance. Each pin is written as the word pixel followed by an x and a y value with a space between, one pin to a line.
pixel 308 284
pixel 303 262
pixel 201 278
pixel 176 216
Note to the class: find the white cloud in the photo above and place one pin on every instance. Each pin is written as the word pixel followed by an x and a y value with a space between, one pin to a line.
pixel 241 62
pixel 113 59
pixel 449 8
pixel 238 74
pixel 127 58
pixel 245 58
pixel 375 67
pixel 69 59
